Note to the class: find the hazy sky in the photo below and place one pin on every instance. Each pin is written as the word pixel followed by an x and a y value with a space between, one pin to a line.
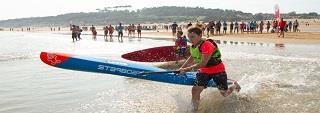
pixel 10 9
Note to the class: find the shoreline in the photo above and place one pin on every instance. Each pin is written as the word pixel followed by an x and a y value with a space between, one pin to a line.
pixel 290 37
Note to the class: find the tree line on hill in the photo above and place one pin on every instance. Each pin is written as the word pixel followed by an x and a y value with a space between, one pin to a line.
pixel 165 14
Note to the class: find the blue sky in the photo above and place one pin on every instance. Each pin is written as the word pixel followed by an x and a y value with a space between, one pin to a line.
pixel 11 9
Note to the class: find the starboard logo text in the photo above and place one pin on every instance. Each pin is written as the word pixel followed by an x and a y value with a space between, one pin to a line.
pixel 117 69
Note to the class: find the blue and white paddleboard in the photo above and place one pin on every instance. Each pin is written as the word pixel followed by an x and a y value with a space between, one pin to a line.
pixel 89 64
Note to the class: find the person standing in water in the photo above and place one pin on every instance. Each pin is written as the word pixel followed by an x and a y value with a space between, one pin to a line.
pixel 120 32
pixel 106 30
pixel 133 30
pixel 139 28
pixel 73 32
pixel 79 31
pixel 206 57
pixel 94 32
pixel 111 30
pixel 128 28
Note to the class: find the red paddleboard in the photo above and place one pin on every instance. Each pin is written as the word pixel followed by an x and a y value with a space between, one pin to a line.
pixel 156 54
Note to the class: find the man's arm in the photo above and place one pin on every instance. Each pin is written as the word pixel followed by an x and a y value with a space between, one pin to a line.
pixel 204 60
pixel 187 62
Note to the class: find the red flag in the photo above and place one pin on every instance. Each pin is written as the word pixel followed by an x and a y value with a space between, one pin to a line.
pixel 277 12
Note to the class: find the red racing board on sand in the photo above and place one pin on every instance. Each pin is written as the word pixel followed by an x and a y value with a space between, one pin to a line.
pixel 156 54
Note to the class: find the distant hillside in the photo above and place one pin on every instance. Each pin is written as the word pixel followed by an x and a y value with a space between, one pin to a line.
pixel 146 15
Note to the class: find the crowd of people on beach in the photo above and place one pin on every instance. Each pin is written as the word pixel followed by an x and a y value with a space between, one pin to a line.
pixel 108 30
pixel 131 29
pixel 209 29
pixel 213 28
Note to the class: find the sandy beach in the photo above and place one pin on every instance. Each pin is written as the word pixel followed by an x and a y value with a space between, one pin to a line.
pixel 308 35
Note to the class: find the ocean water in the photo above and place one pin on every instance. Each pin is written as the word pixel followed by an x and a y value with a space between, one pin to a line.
pixel 273 79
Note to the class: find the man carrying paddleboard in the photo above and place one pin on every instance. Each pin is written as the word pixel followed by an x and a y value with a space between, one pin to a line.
pixel 206 57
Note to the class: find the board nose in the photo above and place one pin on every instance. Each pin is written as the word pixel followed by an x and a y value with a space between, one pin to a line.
pixel 53 58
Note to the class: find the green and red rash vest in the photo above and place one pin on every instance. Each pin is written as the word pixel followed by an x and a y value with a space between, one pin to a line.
pixel 209 47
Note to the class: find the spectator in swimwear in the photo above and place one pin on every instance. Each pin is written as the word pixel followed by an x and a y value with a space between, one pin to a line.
pixel 79 30
pixel 94 32
pixel 73 32
pixel 261 27
pixel 106 30
pixel 111 30
pixel 268 26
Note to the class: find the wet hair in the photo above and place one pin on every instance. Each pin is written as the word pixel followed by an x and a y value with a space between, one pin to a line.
pixel 195 30
pixel 180 32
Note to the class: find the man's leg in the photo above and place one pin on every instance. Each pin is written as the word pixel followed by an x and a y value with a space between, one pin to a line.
pixel 234 87
pixel 200 84
pixel 121 37
pixel 196 91
pixel 221 81
pixel 118 36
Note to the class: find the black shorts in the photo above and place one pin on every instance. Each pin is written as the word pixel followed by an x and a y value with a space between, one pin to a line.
pixel 219 78
pixel 74 35
pixel 174 31
pixel 120 34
